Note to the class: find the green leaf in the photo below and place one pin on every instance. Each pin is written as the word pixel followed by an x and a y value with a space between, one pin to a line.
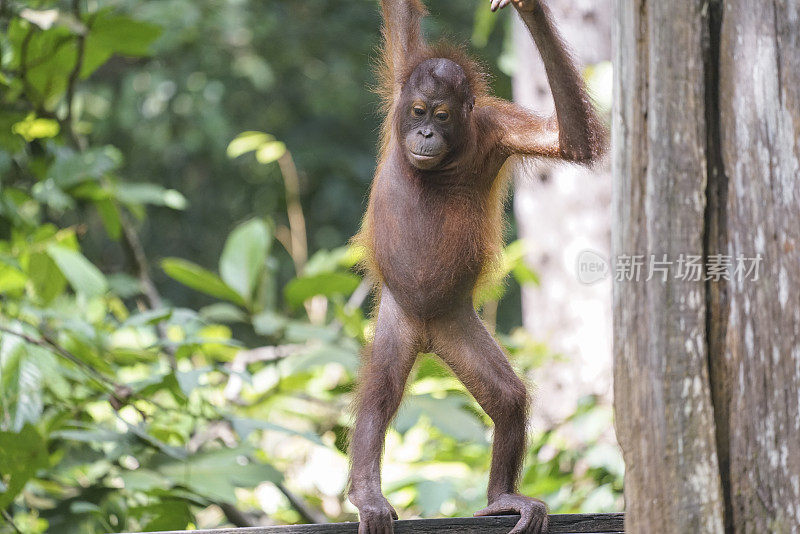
pixel 192 275
pixel 188 381
pixel 524 274
pixel 56 375
pixel 216 474
pixel 329 284
pixel 513 255
pixel 447 414
pixel 91 435
pixel 176 453
pixel 11 279
pixel 124 285
pixel 48 282
pixel 600 83
pixel 142 480
pixel 244 255
pixel 48 192
pixel 268 323
pixel 80 339
pixel 247 142
pixel 21 380
pixel 84 277
pixel 174 199
pixel 24 453
pixel 244 427
pixel 485 22
pixel 149 317
pixel 301 331
pixel 172 515
pixel 9 141
pixel 72 168
pixel 146 193
pixel 267 149
pixel 606 456
pixel 116 34
pixel 34 128
pixel 432 494
pixel 84 507
pixel 50 57
pixel 324 354
pixel 513 261
pixel 109 214
pixel 269 152
pixel 222 313
pixel 326 261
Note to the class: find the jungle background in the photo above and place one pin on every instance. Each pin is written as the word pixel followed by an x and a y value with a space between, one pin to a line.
pixel 180 320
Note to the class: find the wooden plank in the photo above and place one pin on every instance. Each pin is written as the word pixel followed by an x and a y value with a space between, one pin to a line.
pixel 559 524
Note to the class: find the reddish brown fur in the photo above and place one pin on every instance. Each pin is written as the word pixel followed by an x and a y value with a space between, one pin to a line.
pixel 431 233
pixel 390 79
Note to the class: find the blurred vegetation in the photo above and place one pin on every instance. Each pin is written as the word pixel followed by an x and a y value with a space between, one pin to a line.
pixel 179 321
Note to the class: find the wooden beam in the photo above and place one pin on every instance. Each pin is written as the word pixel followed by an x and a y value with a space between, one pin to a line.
pixel 564 523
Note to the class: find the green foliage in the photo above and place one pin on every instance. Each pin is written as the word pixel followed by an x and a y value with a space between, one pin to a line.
pixel 328 284
pixel 31 128
pixel 110 33
pixel 122 410
pixel 266 147
pixel 24 453
pixel 200 279
pixel 242 260
pixel 215 474
pixel 85 278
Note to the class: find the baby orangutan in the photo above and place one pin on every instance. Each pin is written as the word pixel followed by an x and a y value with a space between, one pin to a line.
pixel 432 227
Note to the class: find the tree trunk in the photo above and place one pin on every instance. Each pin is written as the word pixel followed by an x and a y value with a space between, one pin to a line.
pixel 560 211
pixel 707 163
pixel 760 359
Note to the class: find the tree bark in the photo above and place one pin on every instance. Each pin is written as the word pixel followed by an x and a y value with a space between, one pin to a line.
pixel 665 420
pixel 760 125
pixel 707 163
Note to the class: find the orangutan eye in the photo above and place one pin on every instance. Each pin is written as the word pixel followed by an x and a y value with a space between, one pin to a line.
pixel 442 115
pixel 418 110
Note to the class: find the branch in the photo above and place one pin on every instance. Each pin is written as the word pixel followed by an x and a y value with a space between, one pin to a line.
pixel 356 299
pixel 306 512
pixel 51 345
pixel 8 517
pixel 297 222
pixel 23 70
pixel 74 74
pixel 120 394
pixel 236 516
pixel 359 295
pixel 133 246
pixel 131 241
